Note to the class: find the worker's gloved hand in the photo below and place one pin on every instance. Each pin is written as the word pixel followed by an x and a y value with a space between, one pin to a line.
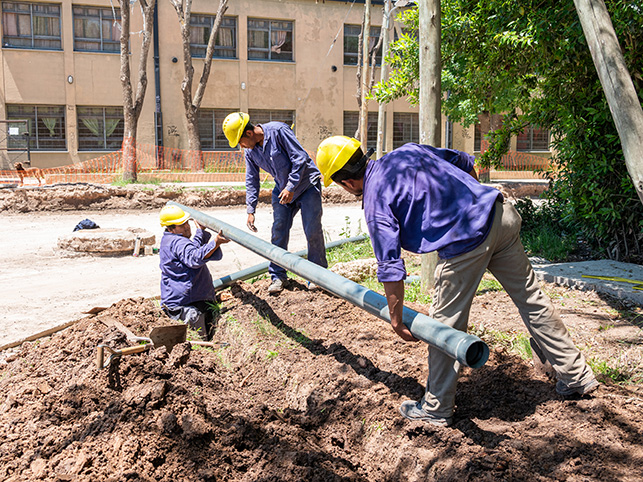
pixel 251 223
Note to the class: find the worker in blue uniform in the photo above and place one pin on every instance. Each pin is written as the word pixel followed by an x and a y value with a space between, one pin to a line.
pixel 187 288
pixel 274 148
pixel 422 199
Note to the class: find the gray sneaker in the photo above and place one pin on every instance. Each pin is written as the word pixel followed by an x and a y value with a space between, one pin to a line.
pixel 277 286
pixel 567 391
pixel 413 411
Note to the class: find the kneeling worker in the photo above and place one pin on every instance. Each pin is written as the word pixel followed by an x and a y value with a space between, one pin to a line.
pixel 425 199
pixel 186 283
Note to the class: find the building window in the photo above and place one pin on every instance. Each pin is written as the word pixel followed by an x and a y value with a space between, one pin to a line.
pixel 97 29
pixel 31 25
pixel 46 126
pixel 225 45
pixel 352 44
pixel 258 116
pixel 269 40
pixel 406 128
pixel 100 128
pixel 477 137
pixel 212 137
pixel 533 139
pixel 351 121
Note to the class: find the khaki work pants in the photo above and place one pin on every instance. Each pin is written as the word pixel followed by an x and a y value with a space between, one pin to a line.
pixel 457 280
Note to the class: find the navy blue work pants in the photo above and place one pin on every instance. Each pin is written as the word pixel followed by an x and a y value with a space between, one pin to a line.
pixel 310 205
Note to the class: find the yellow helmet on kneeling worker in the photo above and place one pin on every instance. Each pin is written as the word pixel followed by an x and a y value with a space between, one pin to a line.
pixel 173 216
pixel 333 154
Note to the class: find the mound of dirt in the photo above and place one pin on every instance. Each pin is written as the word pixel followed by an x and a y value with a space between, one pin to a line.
pixel 82 196
pixel 308 389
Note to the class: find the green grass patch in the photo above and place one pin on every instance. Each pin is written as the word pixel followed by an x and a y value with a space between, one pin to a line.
pixel 350 252
pixel 488 284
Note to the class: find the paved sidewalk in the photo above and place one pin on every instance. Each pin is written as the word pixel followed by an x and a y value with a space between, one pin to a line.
pixel 574 275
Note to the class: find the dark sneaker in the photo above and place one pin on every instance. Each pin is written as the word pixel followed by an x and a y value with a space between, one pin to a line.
pixel 413 411
pixel 277 286
pixel 567 391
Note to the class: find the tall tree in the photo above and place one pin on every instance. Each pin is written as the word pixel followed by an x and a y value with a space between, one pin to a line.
pixel 191 103
pixel 133 103
pixel 530 61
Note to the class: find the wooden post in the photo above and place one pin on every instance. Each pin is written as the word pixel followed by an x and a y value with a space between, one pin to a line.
pixel 363 113
pixel 430 101
pixel 617 84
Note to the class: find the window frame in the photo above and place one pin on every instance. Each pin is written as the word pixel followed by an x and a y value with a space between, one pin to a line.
pixel 274 115
pixel 270 45
pixel 32 37
pixel 532 130
pixel 101 18
pixel 115 140
pixel 371 130
pixel 415 119
pixel 355 55
pixel 218 140
pixel 35 133
pixel 217 48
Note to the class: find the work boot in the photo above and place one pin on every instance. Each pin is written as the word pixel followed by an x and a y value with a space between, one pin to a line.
pixel 413 411
pixel 582 390
pixel 277 286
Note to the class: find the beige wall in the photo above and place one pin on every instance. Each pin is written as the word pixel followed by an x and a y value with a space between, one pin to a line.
pixel 308 86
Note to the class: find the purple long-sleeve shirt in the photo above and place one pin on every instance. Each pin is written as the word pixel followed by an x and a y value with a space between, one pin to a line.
pixel 185 278
pixel 423 199
pixel 281 156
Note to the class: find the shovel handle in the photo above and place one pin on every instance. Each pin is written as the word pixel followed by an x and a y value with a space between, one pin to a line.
pixel 130 350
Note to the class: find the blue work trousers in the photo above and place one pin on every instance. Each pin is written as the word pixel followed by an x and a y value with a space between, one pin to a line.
pixel 310 204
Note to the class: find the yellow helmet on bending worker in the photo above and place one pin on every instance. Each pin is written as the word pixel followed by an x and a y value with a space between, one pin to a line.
pixel 173 216
pixel 234 125
pixel 333 154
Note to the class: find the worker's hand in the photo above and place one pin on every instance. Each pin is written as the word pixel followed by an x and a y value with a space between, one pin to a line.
pixel 403 332
pixel 196 224
pixel 285 196
pixel 221 239
pixel 251 223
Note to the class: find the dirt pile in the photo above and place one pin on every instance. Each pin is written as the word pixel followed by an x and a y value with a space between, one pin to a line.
pixel 81 196
pixel 308 389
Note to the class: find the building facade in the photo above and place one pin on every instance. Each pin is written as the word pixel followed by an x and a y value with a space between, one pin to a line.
pixel 288 60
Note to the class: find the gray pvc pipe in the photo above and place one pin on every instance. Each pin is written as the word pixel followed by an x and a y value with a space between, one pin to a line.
pixel 469 350
pixel 261 268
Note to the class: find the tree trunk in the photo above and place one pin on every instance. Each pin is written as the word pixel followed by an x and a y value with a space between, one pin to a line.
pixel 617 84
pixel 430 101
pixel 363 112
pixel 132 105
pixel 192 105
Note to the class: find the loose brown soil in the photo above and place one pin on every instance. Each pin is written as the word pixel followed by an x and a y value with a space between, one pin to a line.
pixel 309 389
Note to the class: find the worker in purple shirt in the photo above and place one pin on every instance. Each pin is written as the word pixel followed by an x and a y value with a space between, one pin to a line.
pixel 274 148
pixel 422 199
pixel 186 283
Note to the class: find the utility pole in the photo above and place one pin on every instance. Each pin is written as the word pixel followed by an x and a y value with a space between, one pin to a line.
pixel 617 84
pixel 430 101
pixel 363 113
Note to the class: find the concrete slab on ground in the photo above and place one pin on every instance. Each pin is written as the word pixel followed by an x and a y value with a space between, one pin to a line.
pixel 584 275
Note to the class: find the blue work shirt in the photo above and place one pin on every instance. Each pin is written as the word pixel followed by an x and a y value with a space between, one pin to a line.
pixel 280 155
pixel 185 278
pixel 423 199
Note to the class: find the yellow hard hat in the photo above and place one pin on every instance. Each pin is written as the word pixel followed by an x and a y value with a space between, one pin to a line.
pixel 234 125
pixel 333 154
pixel 173 215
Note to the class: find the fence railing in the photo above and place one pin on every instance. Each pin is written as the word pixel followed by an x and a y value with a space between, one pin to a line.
pixel 181 165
